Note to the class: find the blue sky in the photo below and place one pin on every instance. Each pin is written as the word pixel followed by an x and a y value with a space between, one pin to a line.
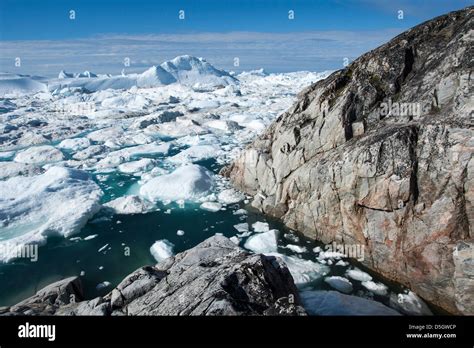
pixel 259 32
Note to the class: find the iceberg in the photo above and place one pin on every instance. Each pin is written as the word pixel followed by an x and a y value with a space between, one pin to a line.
pixel 56 203
pixel 189 182
pixel 161 250
pixel 263 242
pixel 303 271
pixel 130 204
pixel 339 283
pixel 359 275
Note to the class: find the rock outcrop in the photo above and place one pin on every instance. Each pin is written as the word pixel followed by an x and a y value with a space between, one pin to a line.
pixel 214 278
pixel 380 154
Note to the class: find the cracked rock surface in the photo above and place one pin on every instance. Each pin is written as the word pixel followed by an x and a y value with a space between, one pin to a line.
pixel 380 154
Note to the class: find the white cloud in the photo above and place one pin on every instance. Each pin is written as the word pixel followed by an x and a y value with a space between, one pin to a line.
pixel 314 51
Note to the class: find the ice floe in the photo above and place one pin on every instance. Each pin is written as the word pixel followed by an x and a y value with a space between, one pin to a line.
pixel 339 283
pixel 265 242
pixel 130 204
pixel 162 249
pixel 303 271
pixel 260 226
pixel 189 182
pixel 359 275
pixel 230 196
pixel 58 202
pixel 211 206
pixel 376 288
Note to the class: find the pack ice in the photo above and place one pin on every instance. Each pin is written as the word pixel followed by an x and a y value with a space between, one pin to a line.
pixel 58 202
pixel 163 126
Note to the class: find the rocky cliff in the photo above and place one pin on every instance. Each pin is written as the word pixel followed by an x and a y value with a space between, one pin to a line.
pixel 380 154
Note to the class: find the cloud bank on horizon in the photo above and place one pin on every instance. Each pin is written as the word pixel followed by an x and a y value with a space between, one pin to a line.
pixel 279 36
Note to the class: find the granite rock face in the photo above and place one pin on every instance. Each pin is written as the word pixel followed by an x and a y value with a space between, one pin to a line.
pixel 380 154
pixel 214 278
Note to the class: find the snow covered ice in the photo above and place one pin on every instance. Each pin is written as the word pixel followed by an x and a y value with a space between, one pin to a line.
pixel 189 182
pixel 66 141
pixel 265 242
pixel 161 250
pixel 57 202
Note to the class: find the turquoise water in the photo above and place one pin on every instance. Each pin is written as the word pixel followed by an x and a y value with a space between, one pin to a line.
pixel 128 239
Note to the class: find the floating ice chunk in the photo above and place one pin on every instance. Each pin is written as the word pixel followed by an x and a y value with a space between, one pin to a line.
pixel 260 226
pixel 102 285
pixel 240 212
pixel 92 236
pixel 263 242
pixel 190 182
pixel 103 248
pixel 243 227
pixel 297 248
pixel 303 271
pixel 130 204
pixel 39 155
pixel 196 153
pixel 141 165
pixel 211 206
pixel 230 196
pixel 335 303
pixel 58 202
pixel 339 283
pixel 74 144
pixel 376 288
pixel 359 275
pixel 235 240
pixel 162 249
pixel 180 233
pixel 410 304
pixel 342 263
